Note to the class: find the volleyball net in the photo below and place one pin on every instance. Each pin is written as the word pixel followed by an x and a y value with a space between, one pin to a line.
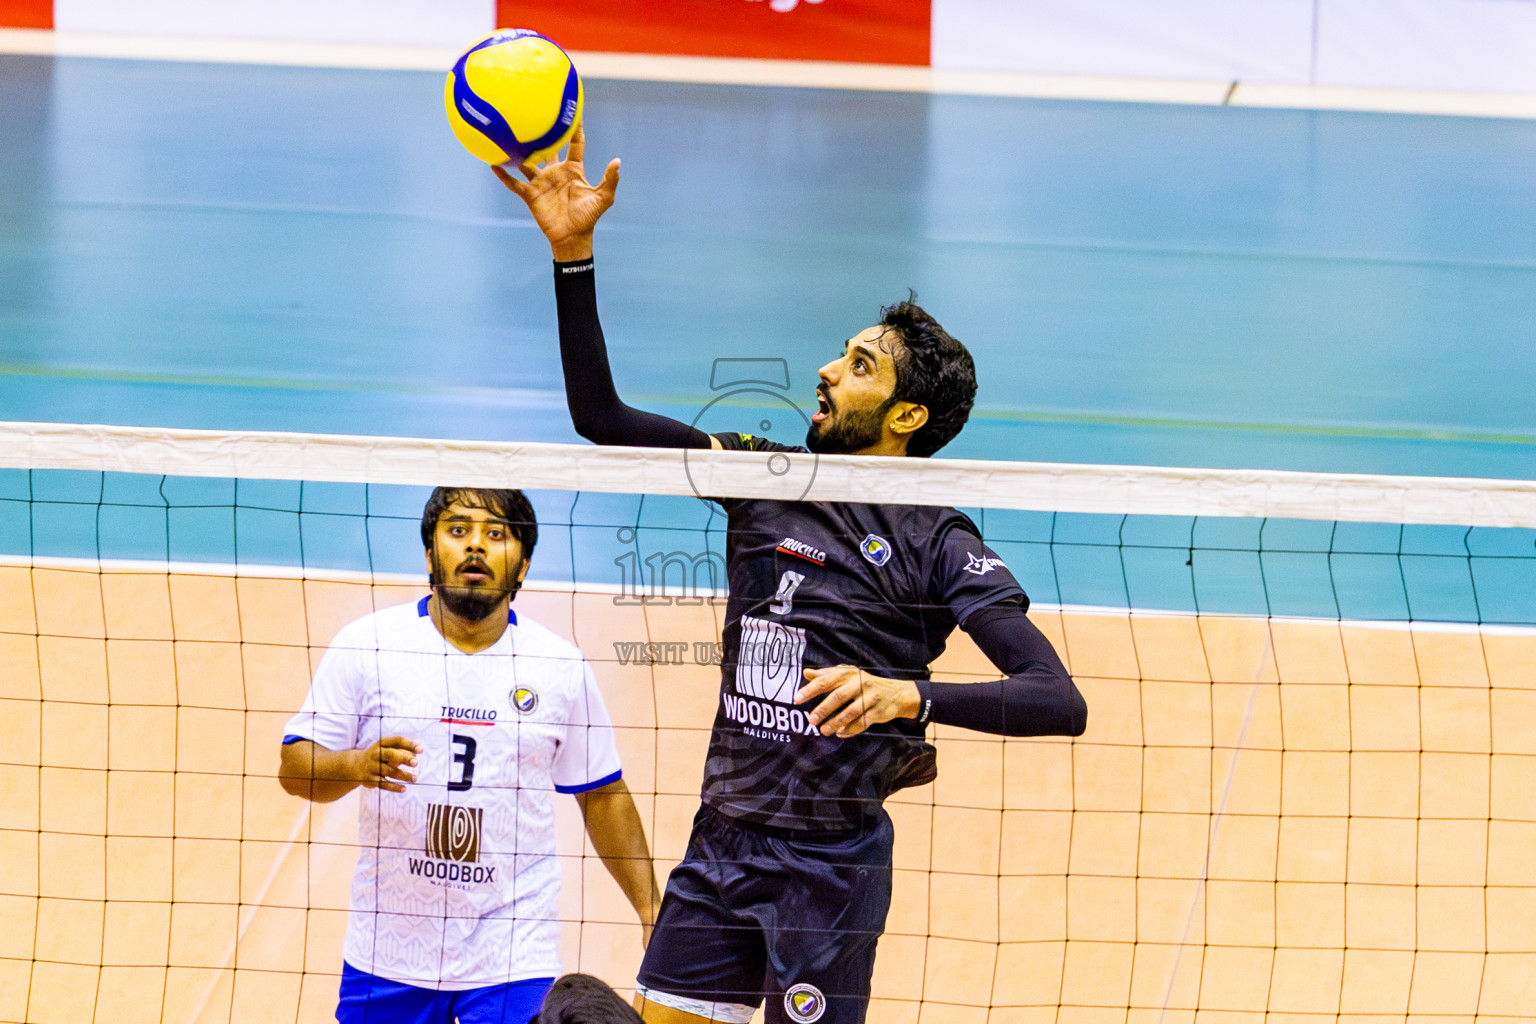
pixel 1307 789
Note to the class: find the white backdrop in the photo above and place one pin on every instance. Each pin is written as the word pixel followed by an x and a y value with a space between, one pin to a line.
pixel 1201 39
pixel 377 22
pixel 1458 45
pixel 1455 45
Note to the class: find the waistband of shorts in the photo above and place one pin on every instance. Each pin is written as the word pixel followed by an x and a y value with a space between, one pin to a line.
pixel 795 835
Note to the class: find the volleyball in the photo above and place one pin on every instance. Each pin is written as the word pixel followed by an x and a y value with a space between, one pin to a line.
pixel 513 97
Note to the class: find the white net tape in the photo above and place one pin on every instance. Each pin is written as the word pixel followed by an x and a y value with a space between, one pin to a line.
pixel 254 455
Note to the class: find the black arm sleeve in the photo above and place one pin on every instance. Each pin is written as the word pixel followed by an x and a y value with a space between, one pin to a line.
pixel 597 411
pixel 1037 699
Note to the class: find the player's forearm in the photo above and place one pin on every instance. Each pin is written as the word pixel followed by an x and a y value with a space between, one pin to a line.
pixel 1035 702
pixel 1038 697
pixel 613 823
pixel 597 412
pixel 318 773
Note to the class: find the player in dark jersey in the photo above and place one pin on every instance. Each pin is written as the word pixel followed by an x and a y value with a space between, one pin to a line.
pixel 835 611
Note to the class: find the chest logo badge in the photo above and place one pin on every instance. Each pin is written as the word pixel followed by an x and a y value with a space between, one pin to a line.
pixel 876 549
pixel 524 700
pixel 453 833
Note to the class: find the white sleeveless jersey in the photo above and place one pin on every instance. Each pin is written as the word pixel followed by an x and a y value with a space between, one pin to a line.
pixel 457 881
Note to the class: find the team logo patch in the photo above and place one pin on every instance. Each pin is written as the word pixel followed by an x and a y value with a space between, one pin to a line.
pixel 877 550
pixel 453 833
pixel 525 700
pixel 981 566
pixel 804 1003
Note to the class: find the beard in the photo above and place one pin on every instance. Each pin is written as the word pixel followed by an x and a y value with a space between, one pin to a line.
pixel 472 603
pixel 849 431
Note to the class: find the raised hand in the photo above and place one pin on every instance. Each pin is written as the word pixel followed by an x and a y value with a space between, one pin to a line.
pixel 565 207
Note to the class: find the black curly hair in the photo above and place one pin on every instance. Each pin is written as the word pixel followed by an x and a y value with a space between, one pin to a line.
pixel 511 505
pixel 933 370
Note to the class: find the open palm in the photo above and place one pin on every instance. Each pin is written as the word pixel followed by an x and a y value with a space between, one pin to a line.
pixel 564 205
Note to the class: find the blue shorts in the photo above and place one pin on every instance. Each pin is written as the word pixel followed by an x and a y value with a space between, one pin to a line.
pixel 367 999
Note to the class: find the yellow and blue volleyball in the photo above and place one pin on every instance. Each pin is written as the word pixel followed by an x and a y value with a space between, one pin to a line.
pixel 513 98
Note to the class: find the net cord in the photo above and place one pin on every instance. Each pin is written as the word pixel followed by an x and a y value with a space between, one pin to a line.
pixel 1031 486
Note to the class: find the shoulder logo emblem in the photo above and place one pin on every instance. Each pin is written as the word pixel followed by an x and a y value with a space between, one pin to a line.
pixel 804 1003
pixel 981 566
pixel 876 549
pixel 525 700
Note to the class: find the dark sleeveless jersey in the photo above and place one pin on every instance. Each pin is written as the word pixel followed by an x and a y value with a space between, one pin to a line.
pixel 817 584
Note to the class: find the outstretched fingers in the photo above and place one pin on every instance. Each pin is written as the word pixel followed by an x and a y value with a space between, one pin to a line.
pixel 610 183
pixel 578 149
pixel 511 182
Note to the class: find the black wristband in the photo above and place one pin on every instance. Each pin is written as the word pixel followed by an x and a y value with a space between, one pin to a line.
pixel 574 266
pixel 925 702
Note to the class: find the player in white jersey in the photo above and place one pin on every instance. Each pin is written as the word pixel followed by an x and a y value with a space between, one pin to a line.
pixel 461 719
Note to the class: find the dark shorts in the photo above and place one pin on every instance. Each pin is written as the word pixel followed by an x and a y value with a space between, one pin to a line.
pixel 750 914
pixel 369 999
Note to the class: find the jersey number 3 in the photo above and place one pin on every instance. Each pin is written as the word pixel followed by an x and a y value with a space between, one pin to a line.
pixel 466 758
pixel 784 598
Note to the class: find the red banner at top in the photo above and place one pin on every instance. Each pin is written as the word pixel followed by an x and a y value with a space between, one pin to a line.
pixel 861 31
pixel 26 13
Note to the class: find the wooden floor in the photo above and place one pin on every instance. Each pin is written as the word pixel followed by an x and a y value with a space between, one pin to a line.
pixel 1280 820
